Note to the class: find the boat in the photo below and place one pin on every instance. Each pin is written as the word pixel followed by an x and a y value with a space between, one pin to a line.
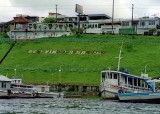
pixel 33 91
pixel 14 88
pixel 5 83
pixel 115 81
pixel 153 96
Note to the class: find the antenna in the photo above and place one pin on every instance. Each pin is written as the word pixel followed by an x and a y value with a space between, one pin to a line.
pixel 145 69
pixel 119 57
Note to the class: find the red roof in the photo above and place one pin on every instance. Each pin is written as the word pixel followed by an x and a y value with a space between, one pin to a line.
pixel 19 20
pixel 54 13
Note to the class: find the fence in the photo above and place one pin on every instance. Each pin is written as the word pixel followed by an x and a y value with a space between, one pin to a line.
pixel 77 69
pixel 99 40
pixel 5 40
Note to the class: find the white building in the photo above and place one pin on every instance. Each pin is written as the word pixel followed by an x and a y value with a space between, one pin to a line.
pixel 23 28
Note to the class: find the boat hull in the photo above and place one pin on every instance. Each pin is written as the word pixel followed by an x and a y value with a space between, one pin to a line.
pixel 140 97
pixel 108 95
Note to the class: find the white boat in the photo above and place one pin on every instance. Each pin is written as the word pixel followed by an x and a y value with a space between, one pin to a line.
pixel 113 82
pixel 33 91
pixel 14 88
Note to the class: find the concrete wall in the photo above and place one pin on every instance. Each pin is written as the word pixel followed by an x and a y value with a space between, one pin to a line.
pixel 74 88
pixel 40 30
pixel 32 35
pixel 93 30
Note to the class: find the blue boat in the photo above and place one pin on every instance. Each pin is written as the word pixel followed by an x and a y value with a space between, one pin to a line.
pixel 153 96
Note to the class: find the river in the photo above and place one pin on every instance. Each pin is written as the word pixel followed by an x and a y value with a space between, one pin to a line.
pixel 74 106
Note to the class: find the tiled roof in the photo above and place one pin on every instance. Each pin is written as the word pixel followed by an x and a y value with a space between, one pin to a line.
pixel 54 13
pixel 19 20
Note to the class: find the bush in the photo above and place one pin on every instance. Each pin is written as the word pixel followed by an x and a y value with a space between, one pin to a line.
pixel 3 35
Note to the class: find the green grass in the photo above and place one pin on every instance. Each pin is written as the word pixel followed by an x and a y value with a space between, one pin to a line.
pixel 81 69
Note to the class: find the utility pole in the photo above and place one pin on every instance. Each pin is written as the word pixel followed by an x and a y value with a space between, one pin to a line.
pixel 78 23
pixel 132 19
pixel 112 17
pixel 56 12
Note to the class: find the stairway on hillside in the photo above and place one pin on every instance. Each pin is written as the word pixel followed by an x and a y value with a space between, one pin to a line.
pixel 7 53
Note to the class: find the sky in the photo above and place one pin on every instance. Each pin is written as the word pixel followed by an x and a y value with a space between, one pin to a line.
pixel 123 8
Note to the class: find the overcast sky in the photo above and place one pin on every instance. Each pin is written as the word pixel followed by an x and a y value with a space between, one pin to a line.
pixel 123 8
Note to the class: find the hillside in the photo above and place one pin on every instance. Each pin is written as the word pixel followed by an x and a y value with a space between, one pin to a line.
pixel 80 59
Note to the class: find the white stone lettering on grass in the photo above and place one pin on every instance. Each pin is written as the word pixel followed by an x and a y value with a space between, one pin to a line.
pixel 66 52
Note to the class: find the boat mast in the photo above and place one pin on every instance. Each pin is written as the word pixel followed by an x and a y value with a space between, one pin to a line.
pixel 119 57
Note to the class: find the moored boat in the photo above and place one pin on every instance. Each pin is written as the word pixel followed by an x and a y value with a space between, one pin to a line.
pixel 14 88
pixel 153 96
pixel 140 97
pixel 117 81
pixel 114 82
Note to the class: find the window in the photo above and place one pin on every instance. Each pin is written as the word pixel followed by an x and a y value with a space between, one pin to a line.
pixel 115 76
pixel 93 26
pixel 99 26
pixel 142 23
pixel 3 85
pixel 125 23
pixel 151 22
pixel 70 19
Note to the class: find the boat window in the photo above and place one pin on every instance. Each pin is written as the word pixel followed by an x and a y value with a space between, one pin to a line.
pixel 130 81
pixel 3 85
pixel 103 76
pixel 125 80
pixel 109 75
pixel 135 82
pixel 115 76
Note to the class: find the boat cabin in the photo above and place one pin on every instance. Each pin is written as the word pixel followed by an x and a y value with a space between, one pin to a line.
pixel 16 80
pixel 5 83
pixel 42 88
pixel 126 80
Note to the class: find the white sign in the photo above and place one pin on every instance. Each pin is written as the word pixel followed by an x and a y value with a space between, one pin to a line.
pixel 79 9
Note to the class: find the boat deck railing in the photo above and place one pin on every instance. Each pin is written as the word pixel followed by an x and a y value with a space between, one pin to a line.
pixel 23 89
pixel 137 88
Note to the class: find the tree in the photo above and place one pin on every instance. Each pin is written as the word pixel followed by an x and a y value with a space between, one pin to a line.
pixel 49 20
pixel 153 30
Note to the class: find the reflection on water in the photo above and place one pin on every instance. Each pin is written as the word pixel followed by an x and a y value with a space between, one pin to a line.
pixel 74 106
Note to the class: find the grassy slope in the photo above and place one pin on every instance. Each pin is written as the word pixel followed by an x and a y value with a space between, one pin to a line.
pixel 3 48
pixel 80 69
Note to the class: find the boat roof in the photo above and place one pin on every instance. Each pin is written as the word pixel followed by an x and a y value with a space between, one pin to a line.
pixel 147 80
pixel 3 78
pixel 128 75
pixel 155 80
